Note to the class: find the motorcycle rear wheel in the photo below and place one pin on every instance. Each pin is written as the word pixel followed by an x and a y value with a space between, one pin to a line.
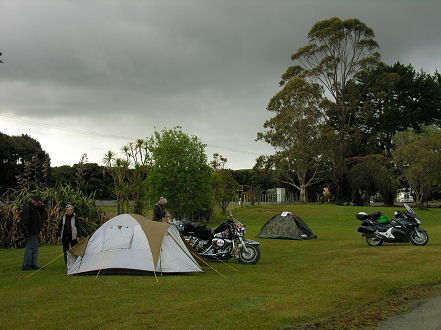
pixel 418 237
pixel 251 256
pixel 374 241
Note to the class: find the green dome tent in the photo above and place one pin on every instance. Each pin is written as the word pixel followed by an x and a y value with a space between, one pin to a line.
pixel 286 226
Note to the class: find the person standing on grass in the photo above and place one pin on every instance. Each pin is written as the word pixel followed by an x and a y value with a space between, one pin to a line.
pixel 159 209
pixel 69 230
pixel 31 220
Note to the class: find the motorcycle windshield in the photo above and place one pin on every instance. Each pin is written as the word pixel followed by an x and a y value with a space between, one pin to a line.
pixel 409 209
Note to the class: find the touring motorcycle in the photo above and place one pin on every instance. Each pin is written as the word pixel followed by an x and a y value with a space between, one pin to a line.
pixel 402 228
pixel 224 242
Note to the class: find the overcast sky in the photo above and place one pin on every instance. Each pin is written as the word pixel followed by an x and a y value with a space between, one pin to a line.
pixel 91 76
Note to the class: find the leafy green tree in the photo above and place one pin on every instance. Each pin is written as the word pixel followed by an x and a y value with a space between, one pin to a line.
pixel 34 174
pixel 180 173
pixel 95 177
pixel 391 92
pixel 418 156
pixel 22 162
pixel 259 180
pixel 7 162
pixel 118 169
pixel 62 175
pixel 255 192
pixel 296 134
pixel 223 184
pixel 256 177
pixel 129 172
pixel 97 181
pixel 337 50
pixel 138 155
pixel 80 172
pixel 369 176
pixel 417 97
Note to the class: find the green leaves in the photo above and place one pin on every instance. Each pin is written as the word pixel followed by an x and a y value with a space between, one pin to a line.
pixel 224 188
pixel 22 162
pixel 418 156
pixel 128 173
pixel 55 200
pixel 295 132
pixel 368 177
pixel 181 174
pixel 336 52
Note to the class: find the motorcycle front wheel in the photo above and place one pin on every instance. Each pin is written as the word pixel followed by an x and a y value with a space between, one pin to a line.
pixel 251 256
pixel 418 237
pixel 374 241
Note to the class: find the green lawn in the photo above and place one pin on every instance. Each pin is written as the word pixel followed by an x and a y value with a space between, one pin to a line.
pixel 294 283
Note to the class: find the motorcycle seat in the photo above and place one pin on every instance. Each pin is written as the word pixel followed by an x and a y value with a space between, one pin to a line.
pixel 374 216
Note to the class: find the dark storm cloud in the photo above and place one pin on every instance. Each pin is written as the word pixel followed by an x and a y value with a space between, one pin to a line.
pixel 210 66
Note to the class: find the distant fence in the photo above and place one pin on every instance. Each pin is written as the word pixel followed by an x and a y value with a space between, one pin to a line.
pixel 267 199
pixel 262 199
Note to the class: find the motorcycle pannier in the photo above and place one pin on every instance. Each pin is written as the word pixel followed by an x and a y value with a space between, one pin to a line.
pixel 366 229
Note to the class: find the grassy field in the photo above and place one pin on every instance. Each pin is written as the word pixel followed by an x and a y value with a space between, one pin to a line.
pixel 333 281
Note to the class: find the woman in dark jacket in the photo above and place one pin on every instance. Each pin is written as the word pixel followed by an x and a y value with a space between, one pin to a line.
pixel 69 230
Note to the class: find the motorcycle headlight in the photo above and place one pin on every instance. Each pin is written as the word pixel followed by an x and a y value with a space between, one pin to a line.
pixel 241 229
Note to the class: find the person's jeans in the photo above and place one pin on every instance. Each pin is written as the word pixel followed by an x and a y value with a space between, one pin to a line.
pixel 30 259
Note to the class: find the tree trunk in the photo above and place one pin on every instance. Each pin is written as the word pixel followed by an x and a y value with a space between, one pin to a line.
pixel 419 201
pixel 389 199
pixel 224 207
pixel 303 197
pixel 339 170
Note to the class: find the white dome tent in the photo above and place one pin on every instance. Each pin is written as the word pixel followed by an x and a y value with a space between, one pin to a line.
pixel 130 243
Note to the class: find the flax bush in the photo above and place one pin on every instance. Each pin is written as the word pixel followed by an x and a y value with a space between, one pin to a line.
pixel 55 201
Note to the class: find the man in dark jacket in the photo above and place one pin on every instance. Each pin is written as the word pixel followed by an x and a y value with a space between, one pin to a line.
pixel 159 209
pixel 31 220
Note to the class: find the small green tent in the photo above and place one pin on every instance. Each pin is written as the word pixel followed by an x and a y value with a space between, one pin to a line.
pixel 287 226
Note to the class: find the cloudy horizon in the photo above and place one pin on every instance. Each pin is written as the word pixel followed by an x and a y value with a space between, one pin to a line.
pixel 87 77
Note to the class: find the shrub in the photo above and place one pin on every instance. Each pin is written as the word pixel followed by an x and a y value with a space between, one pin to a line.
pixel 54 200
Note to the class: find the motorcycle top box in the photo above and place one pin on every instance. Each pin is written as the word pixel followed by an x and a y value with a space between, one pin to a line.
pixel 364 216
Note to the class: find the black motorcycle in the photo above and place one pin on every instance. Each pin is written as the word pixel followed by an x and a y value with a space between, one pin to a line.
pixel 225 242
pixel 402 228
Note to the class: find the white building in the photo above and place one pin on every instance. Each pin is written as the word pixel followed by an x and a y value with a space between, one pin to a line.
pixel 404 196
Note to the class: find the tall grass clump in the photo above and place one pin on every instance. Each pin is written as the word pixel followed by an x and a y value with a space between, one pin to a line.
pixel 55 201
